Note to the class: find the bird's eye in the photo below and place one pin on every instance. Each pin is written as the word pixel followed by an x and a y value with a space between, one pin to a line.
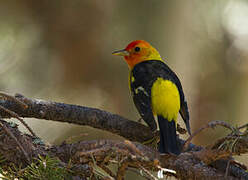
pixel 137 49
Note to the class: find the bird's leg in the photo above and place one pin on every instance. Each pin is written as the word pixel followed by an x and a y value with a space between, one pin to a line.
pixel 153 142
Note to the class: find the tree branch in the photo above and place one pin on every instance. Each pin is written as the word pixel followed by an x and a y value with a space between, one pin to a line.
pixel 199 163
pixel 78 115
pixel 134 154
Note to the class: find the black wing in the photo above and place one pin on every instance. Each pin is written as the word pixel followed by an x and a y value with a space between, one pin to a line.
pixel 145 74
pixel 141 96
pixel 184 112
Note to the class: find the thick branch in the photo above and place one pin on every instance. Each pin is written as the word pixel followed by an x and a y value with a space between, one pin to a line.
pixel 78 115
pixel 188 165
pixel 81 153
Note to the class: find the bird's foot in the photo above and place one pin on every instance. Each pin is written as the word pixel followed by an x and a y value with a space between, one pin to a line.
pixel 153 142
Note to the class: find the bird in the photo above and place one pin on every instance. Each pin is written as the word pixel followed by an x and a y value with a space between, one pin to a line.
pixel 157 93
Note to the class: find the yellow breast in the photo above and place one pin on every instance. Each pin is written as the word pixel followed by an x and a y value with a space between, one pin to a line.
pixel 165 99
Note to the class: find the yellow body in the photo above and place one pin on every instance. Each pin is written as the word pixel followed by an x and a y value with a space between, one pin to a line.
pixel 165 99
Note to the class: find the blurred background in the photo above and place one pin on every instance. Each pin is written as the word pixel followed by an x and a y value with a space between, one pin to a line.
pixel 61 51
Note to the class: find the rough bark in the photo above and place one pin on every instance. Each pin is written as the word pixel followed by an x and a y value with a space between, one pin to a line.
pixel 196 163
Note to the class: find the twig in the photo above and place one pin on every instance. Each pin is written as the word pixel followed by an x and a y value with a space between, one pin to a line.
pixel 13 114
pixel 211 124
pixel 244 126
pixel 227 167
pixel 148 173
pixel 12 98
pixel 98 171
pixel 122 169
pixel 133 147
pixel 17 142
pixel 107 170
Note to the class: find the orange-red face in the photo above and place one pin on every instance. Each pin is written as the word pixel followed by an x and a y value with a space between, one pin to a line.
pixel 138 51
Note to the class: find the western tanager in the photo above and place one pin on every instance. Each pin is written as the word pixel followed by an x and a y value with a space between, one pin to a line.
pixel 157 92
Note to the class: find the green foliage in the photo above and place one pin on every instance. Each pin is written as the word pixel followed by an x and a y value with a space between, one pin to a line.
pixel 42 168
pixel 9 172
pixel 46 168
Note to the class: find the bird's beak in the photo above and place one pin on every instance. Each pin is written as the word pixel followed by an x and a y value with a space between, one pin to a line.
pixel 122 52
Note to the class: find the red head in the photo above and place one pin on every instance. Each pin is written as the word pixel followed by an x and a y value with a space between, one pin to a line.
pixel 138 51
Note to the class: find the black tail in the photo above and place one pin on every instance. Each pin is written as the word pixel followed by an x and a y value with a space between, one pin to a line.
pixel 168 136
